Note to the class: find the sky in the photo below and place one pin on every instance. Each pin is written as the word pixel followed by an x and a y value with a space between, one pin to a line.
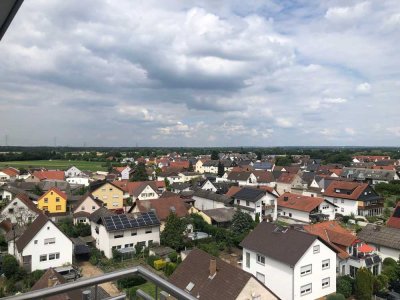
pixel 201 73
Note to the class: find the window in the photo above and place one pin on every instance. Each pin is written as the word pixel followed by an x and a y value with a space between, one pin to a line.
pixel 51 193
pixel 261 259
pixel 375 270
pixel 305 270
pixel 93 207
pixel 342 209
pixel 115 204
pixel 334 201
pixel 260 277
pixel 247 260
pixel 290 214
pixel 45 208
pixel 111 189
pixel 82 208
pixel 11 210
pixel 57 199
pixel 325 264
pixel 148 230
pixel 237 201
pixel 43 257
pixel 46 200
pixel 342 200
pixel 247 203
pixel 49 241
pixel 133 233
pixel 306 289
pixel 118 235
pixel 53 256
pixel 58 207
pixel 326 282
pixel 129 245
pixel 316 249
pixel 35 242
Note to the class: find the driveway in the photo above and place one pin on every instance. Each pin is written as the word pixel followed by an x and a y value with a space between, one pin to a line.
pixel 88 270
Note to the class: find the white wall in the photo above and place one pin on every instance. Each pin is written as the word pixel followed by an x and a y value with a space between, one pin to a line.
pixel 78 180
pixel 148 193
pixel 208 186
pixel 203 203
pixel 346 207
pixel 294 214
pixel 20 214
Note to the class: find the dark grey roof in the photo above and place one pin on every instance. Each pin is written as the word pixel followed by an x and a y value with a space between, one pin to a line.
pixel 262 165
pixel 242 175
pixel 249 194
pixel 98 214
pixel 212 196
pixel 125 221
pixel 220 215
pixel 180 185
pixel 15 191
pixel 364 174
pixel 381 235
pixel 8 9
pixel 283 244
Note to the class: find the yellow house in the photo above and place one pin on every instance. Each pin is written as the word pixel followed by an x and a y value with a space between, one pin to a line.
pixel 53 201
pixel 111 195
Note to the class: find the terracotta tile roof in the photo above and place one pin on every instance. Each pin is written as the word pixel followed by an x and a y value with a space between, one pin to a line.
pixel 389 168
pixel 56 190
pixel 164 207
pixel 232 191
pixel 136 187
pixel 241 175
pixel 119 169
pixel 348 190
pixel 228 282
pixel 336 171
pixel 264 176
pixel 394 220
pixel 160 184
pixel 286 178
pixel 299 202
pixel 179 164
pixel 52 175
pixel 10 172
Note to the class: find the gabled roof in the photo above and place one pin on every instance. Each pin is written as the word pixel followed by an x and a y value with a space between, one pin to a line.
pixel 249 194
pixel 99 184
pixel 286 178
pixel 10 172
pixel 135 188
pixel 241 175
pixel 232 191
pixel 283 244
pixel 99 213
pixel 345 189
pixel 28 202
pixel 380 235
pixel 49 175
pixel 84 197
pixel 394 220
pixel 228 282
pixel 299 202
pixel 264 176
pixel 31 232
pixel 220 215
pixel 55 190
pixel 212 196
pixel 130 221
pixel 163 207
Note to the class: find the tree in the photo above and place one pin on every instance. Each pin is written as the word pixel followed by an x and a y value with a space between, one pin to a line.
pixel 363 284
pixel 344 285
pixel 336 296
pixel 140 173
pixel 214 155
pixel 174 229
pixel 190 169
pixel 284 161
pixel 10 266
pixel 381 283
pixel 221 169
pixel 241 222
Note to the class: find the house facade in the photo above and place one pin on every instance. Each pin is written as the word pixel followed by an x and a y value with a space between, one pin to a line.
pixel 42 246
pixel 20 210
pixel 291 263
pixel 111 195
pixel 73 172
pixel 208 200
pixel 53 201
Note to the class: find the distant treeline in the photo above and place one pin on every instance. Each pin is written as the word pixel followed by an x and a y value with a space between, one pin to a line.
pixel 327 154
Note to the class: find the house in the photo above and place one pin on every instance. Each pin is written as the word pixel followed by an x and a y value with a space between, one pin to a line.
pixel 353 253
pixel 355 198
pixel 162 208
pixel 85 207
pixel 123 172
pixel 46 175
pixel 8 174
pixel 41 246
pixel 305 208
pixel 215 279
pixel 286 181
pixel 371 176
pixel 263 165
pixel 241 177
pixel 258 203
pixel 208 186
pixel 211 166
pixel 124 232
pixel 142 190
pixel 111 194
pixel 293 264
pixel 199 166
pixel 73 172
pixel 208 200
pixel 264 178
pixel 386 240
pixel 21 210
pixel 81 179
pixel 53 201
pixel 394 220
pixel 178 187
pixel 219 217
pixel 369 158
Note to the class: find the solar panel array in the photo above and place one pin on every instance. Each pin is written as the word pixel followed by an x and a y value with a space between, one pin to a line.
pixel 123 221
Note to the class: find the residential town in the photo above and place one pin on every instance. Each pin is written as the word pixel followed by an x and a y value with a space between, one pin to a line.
pixel 252 228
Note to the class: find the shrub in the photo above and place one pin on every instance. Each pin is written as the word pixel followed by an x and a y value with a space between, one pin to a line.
pixel 132 293
pixel 130 281
pixel 173 257
pixel 344 286
pixel 169 269
pixel 159 264
pixel 93 260
pixel 336 296
pixel 151 259
pixel 10 266
pixel 363 284
pixel 381 283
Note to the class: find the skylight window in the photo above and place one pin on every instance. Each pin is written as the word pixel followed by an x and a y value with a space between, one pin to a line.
pixel 190 287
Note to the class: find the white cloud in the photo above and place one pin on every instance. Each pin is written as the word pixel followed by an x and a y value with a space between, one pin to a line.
pixel 350 131
pixel 344 13
pixel 363 88
pixel 394 130
pixel 284 122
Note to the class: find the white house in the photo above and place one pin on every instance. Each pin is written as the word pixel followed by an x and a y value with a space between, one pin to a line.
pixel 73 172
pixel 261 202
pixel 208 186
pixel 42 246
pixel 305 208
pixel 79 179
pixel 21 210
pixel 85 207
pixel 293 264
pixel 124 232
pixel 241 177
pixel 8 174
pixel 208 200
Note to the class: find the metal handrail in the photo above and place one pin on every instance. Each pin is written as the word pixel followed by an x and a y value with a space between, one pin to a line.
pixel 95 280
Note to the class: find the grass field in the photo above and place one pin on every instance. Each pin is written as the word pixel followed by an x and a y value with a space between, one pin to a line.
pixel 56 164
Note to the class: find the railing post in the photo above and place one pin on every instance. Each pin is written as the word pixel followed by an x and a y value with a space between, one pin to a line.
pixel 86 295
pixel 95 291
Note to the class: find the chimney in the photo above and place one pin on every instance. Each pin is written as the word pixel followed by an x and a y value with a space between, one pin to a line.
pixel 285 198
pixel 213 267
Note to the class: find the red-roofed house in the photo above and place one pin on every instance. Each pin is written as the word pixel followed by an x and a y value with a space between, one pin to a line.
pixel 287 181
pixel 8 174
pixel 142 190
pixel 48 175
pixel 21 210
pixel 53 201
pixel 369 158
pixel 394 220
pixel 305 208
pixel 355 198
pixel 352 252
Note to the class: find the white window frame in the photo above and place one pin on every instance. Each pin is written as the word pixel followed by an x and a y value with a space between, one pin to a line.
pixel 260 277
pixel 306 289
pixel 326 264
pixel 326 282
pixel 316 249
pixel 261 259
pixel 306 270
pixel 49 241
pixel 43 256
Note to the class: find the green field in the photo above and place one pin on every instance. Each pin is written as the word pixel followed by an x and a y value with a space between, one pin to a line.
pixel 56 164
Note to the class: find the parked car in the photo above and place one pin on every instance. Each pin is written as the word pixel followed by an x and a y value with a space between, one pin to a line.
pixel 70 273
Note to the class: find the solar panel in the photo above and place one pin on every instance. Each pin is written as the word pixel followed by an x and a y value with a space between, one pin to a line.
pixel 122 222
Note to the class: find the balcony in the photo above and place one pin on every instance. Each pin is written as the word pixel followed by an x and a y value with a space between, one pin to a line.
pixel 86 284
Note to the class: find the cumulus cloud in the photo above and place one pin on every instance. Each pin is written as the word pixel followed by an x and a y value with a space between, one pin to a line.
pixel 199 73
